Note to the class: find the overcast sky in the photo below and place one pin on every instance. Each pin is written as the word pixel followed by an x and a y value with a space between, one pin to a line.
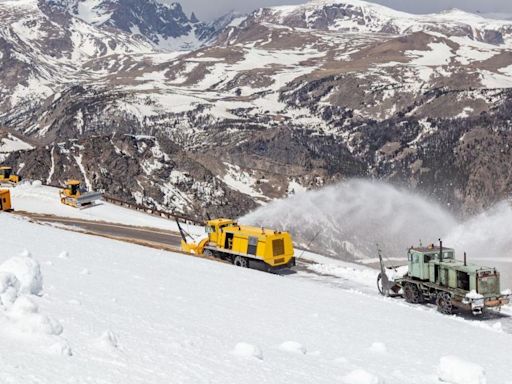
pixel 208 9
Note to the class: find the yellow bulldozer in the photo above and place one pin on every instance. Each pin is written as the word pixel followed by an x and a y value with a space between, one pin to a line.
pixel 244 246
pixel 73 195
pixel 5 200
pixel 7 176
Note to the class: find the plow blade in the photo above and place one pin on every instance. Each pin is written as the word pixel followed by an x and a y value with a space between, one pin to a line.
pixel 88 198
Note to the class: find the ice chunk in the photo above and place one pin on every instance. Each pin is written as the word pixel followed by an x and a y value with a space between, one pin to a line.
pixel 60 348
pixel 37 183
pixel 108 339
pixel 64 255
pixel 28 273
pixel 26 253
pixel 454 370
pixel 24 314
pixel 293 347
pixel 9 288
pixel 360 376
pixel 378 347
pixel 247 350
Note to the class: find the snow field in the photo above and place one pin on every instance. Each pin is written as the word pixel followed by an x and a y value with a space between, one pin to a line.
pixel 148 316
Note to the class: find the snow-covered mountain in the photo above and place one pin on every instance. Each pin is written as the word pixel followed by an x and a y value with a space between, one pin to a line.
pixel 364 17
pixel 163 23
pixel 295 97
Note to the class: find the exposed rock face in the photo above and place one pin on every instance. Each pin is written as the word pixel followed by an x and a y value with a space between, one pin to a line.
pixel 285 99
pixel 161 22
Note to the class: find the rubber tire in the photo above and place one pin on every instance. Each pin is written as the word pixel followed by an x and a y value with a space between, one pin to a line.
pixel 412 293
pixel 240 261
pixel 444 303
pixel 207 253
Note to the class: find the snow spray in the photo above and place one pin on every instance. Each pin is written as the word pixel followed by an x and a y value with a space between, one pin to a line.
pixel 355 215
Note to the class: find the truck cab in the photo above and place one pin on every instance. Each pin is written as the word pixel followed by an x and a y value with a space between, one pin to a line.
pixel 214 230
pixel 422 261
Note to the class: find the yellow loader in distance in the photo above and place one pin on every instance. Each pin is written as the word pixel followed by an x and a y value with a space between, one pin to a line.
pixel 74 196
pixel 7 176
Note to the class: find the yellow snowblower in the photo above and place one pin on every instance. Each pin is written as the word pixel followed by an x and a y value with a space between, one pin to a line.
pixel 7 176
pixel 244 246
pixel 74 196
pixel 5 200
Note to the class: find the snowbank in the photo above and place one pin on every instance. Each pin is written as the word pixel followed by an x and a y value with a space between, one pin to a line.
pixel 455 370
pixel 27 272
pixel 21 321
pixel 24 314
pixel 9 288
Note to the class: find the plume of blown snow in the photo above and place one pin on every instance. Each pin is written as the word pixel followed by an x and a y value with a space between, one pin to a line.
pixel 347 220
pixel 485 236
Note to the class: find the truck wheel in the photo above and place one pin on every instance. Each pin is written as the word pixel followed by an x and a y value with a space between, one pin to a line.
pixel 412 293
pixel 240 261
pixel 444 303
pixel 207 253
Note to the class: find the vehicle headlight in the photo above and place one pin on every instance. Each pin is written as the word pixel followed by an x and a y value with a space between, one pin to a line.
pixel 478 302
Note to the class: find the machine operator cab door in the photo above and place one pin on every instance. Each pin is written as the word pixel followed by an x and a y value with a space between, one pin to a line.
pixel 216 235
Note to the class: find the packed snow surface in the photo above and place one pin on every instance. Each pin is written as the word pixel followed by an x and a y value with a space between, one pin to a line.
pixel 147 316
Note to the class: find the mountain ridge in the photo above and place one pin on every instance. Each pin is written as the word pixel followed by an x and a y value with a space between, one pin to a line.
pixel 293 102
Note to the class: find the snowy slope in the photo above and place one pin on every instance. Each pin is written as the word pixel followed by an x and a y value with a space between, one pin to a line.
pixel 121 313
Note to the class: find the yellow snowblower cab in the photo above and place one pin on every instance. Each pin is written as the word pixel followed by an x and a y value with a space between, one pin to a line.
pixel 7 176
pixel 73 195
pixel 5 200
